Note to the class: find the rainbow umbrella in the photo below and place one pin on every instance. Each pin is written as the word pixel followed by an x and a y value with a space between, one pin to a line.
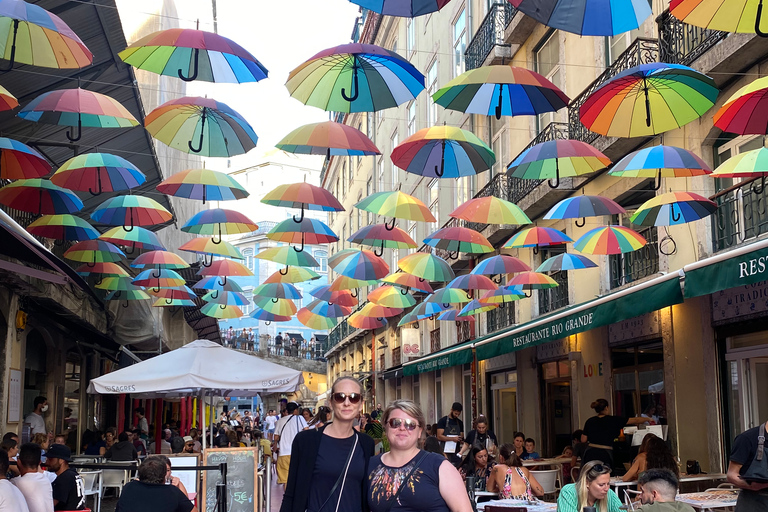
pixel 224 269
pixel 609 240
pixel 447 296
pixel 277 291
pixel 36 195
pixel 7 100
pixel 750 164
pixel 159 259
pixel 181 292
pixel 219 222
pixel 328 138
pixel 501 91
pixel 472 282
pixel 327 309
pixel 554 159
pixel 340 297
pixel 379 235
pixel 202 184
pixel 78 107
pixel 134 293
pixel 63 227
pixel 19 161
pixel 537 237
pixel 408 281
pixel 397 205
pixel 673 208
pixel 743 17
pixel 457 239
pixel 587 18
pixel 532 281
pixel 404 9
pixel 491 210
pixel 302 195
pixel 307 231
pixel 348 283
pixel 267 317
pixel 136 238
pixel 118 283
pixel 660 162
pixel 745 111
pixel 214 283
pixel 105 269
pixel 205 245
pixel 409 318
pixel 156 278
pixel 228 298
pixel 194 55
pixel 427 267
pixel 288 256
pixel 172 303
pixel 391 297
pixel 377 311
pixel 219 130
pixel 338 256
pixel 502 295
pixel 313 321
pixel 476 307
pixel 221 311
pixel 452 315
pixel 565 261
pixel 355 78
pixel 293 275
pixel 501 264
pixel 584 206
pixel 443 152
pixel 94 251
pixel 647 100
pixel 131 211
pixel 359 321
pixel 362 265
pixel 97 173
pixel 39 38
pixel 427 308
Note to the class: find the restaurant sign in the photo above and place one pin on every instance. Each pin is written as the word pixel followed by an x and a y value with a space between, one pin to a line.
pixel 453 357
pixel 744 269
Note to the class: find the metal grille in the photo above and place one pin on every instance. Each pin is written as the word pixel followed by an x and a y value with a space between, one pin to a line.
pixel 631 266
pixel 396 359
pixel 434 340
pixel 343 329
pixel 554 298
pixel 741 215
pixel 680 43
pixel 465 331
pixel 501 317
pixel 489 34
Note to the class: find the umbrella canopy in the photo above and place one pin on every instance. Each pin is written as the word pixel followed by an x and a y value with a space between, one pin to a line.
pixel 200 367
pixel 609 240
pixel 202 126
pixel 159 259
pixel 225 268
pixel 293 275
pixel 362 265
pixel 443 152
pixel 355 78
pixel 221 310
pixel 476 307
pixel 218 222
pixel 742 17
pixel 314 321
pixel 173 303
pixel 584 206
pixel 406 281
pixel 359 321
pixel 404 9
pixel 130 211
pixel 647 100
pixel 19 161
pixel 308 231
pixel 302 195
pixel 501 264
pixel 472 282
pixel 106 269
pixel 537 237
pixel 136 238
pixel 452 315
pixel 565 261
pixel 532 281
pixel 267 317
pixel 587 18
pixel 746 112
pixel 427 308
pixel 749 164
pixel 194 55
pixel 202 184
pixel 63 227
pixel 205 245
pixel 97 173
pixel 501 91
pixel 349 283
pixel 449 296
pixel 134 293
pixel 427 267
pixel 391 297
pixel 36 195
pixel 328 138
pixel 182 292
pixel 491 210
pixel 118 283
pixel 40 38
pixel 276 306
pixel 380 236
pixel 341 297
pixel 288 256
pixel 94 251
pixel 458 239
pixel 660 162
pixel 502 295
pixel 158 278
pixel 397 205
pixel 327 309
pixel 214 283
pixel 277 291
pixel 7 100
pixel 557 158
pixel 377 311
pixel 673 208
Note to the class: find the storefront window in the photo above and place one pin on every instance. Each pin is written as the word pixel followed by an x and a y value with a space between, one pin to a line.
pixel 638 381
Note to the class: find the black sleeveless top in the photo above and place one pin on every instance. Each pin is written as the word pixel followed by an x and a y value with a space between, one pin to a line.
pixel 422 491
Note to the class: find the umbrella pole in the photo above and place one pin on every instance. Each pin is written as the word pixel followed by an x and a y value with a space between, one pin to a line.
pixel 13 46
pixel 202 404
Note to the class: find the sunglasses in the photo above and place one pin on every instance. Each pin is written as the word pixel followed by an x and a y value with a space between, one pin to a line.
pixel 601 468
pixel 354 398
pixel 407 422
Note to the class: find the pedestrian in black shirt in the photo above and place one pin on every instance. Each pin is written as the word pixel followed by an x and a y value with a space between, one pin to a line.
pixel 743 463
pixel 600 431
pixel 68 488
pixel 150 493
pixel 450 433
pixel 122 450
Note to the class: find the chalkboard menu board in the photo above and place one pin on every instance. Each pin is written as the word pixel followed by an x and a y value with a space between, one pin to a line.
pixel 242 466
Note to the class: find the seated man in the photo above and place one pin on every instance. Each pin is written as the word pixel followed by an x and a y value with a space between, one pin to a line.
pixel 530 450
pixel 123 450
pixel 68 487
pixel 658 488
pixel 150 493
pixel 11 499
pixel 32 483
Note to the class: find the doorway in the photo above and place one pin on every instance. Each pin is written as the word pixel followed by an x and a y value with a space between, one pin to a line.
pixel 504 389
pixel 745 381
pixel 558 430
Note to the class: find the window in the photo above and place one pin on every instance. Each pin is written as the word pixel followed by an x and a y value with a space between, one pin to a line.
pixel 620 42
pixel 638 380
pixel 431 89
pixel 410 38
pixel 434 186
pixel 459 43
pixel 322 259
pixel 412 234
pixel 499 145
pixel 395 171
pixel 358 158
pixel 343 179
pixel 547 62
pixel 248 255
pixel 462 191
pixel 412 118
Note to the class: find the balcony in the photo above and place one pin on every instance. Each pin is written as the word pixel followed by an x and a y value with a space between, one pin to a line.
pixel 500 318
pixel 490 37
pixel 631 266
pixel 342 330
pixel 680 43
pixel 434 340
pixel 465 331
pixel 554 298
pixel 397 359
pixel 741 215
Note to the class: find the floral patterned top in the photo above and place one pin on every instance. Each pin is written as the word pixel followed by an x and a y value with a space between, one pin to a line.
pixel 506 491
pixel 422 491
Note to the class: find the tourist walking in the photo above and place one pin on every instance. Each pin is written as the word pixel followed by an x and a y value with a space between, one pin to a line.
pixel 450 433
pixel 285 432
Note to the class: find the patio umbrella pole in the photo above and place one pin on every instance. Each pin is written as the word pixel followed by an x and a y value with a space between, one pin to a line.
pixel 210 418
pixel 202 404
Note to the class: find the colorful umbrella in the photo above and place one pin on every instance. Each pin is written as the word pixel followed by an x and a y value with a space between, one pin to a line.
pixel 288 256
pixel 118 283
pixel 660 162
pixel 63 227
pixel 750 164
pixel 308 231
pixel 472 282
pixel 281 307
pixel 443 152
pixel 743 17
pixel 313 321
pixel 105 269
pixel 157 278
pixel 501 91
pixel 647 100
pixel 7 100
pixel 78 107
pixel 277 291
pixel 328 310
pixel 565 261
pixel 182 292
pixel 379 235
pixel 405 9
pixel 359 321
pixel 202 184
pixel 219 222
pixel 341 297
pixel 36 195
pixel 427 308
pixel 532 281
pixel 502 295
pixel 267 317
pixel 159 259
pixel 391 297
pixel 131 211
pixel 557 158
pixel 410 318
pixel 476 307
pixel 225 268
pixel 745 111
pixel 221 311
pixel 452 315
pixel 328 138
pixel 377 311
pixel 537 237
pixel 302 195
pixel 219 130
pixel 194 55
pixel 397 205
pixel 584 206
pixel 408 281
pixel 491 210
pixel 501 264
pixel 39 38
pixel 609 240
pixel 673 208
pixel 214 283
pixel 134 293
pixel 94 251
pixel 587 18
pixel 294 275
pixel 355 78
pixel 447 296
pixel 362 265
pixel 205 245
pixel 457 239
pixel 173 303
pixel 97 173
pixel 19 161
pixel 427 267
pixel 349 283
pixel 136 238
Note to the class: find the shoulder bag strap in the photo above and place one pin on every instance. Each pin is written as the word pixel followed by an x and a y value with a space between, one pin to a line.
pixel 761 442
pixel 342 477
pixel 404 483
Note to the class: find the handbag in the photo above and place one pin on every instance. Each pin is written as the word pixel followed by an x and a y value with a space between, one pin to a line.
pixel 403 484
pixel 341 479
pixel 758 470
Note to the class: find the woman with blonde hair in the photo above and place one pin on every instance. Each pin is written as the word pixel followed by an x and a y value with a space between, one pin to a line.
pixel 510 479
pixel 592 489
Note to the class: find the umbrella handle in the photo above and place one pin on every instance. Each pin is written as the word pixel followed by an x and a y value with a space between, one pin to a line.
pixel 214 297
pixel 648 101
pixel 13 47
pixel 156 290
pixel 206 263
pixel 275 300
pixel 169 301
pixel 133 249
pixel 125 304
pixel 353 295
pixel 101 280
pixel 302 244
pixel 453 255
pixel 195 69
pixel 379 252
pixel 213 239
pixel 130 212
pixel 223 306
pixel 580 224
pixel 535 249
pixel 677 217
pixel 757 23
pixel 657 181
pixel 528 294
pixel 98 175
pixel 199 147
pixel 301 217
pixel 389 226
pixel 224 282
pixel 440 171
pixel 355 85
pixel 71 136
pixel 557 175
pixel 404 291
pixel 501 98
pixel 156 275
pixel 761 188
pixel 267 323
pixel 284 273
pixel 497 281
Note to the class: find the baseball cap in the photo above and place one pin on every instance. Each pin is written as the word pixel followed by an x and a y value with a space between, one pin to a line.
pixel 188 439
pixel 456 407
pixel 59 451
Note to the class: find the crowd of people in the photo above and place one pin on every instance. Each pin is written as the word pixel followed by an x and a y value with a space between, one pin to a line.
pixel 280 345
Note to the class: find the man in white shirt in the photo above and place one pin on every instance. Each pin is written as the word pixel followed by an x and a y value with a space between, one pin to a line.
pixel 11 499
pixel 33 484
pixel 285 430
pixel 35 418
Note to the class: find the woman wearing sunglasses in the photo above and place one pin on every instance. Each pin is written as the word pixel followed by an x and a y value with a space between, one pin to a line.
pixel 407 479
pixel 329 464
pixel 592 489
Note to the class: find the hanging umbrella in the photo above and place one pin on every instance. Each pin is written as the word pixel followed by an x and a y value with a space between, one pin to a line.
pixel 410 318
pixel 609 240
pixel 7 100
pixel 288 256
pixel 349 283
pixel 302 195
pixel 39 196
pixel 341 297
pixel 118 283
pixel 63 227
pixel 181 292
pixel 362 265
pixel 355 78
pixel 502 295
pixel 491 210
pixel 202 126
pixel 443 152
pixel 327 309
pixel 135 293
pixel 19 161
pixel 565 261
pixel 447 296
pixel 587 18
pixel 308 231
pixel 154 279
pixel 407 281
pixel 379 235
pixel 136 238
pixel 281 307
pixel 173 303
pixel 501 91
pixel 404 9
pixel 94 251
pixel 427 308
pixel 501 264
pixel 39 38
pixel 673 208
pixel 80 108
pixel 377 311
pixel 750 164
pixel 457 239
pixel 214 283
pixel 277 291
pixel 221 311
pixel 744 112
pixel 97 173
pixel 202 184
pixel 647 100
pixel 472 282
pixel 328 138
pixel 224 269
pixel 313 321
pixel 159 259
pixel 131 211
pixel 194 55
pixel 105 269
pixel 584 206
pixel 205 245
pixel 452 315
pixel 294 275
pixel 554 159
pixel 476 307
pixel 537 237
pixel 532 281
pixel 390 297
pixel 359 321
pixel 660 162
pixel 743 17
pixel 426 267
pixel 267 317
pixel 219 222
pixel 397 205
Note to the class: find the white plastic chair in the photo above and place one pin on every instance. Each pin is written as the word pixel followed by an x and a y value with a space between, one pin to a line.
pixel 92 486
pixel 727 486
pixel 115 478
pixel 548 480
pixel 628 498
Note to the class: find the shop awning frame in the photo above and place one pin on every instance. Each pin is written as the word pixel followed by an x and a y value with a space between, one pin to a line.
pixel 445 358
pixel 736 267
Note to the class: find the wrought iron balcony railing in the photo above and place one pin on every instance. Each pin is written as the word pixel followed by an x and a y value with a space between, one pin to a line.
pixel 434 340
pixel 465 331
pixel 501 317
pixel 489 34
pixel 680 43
pixel 741 215
pixel 342 330
pixel 628 267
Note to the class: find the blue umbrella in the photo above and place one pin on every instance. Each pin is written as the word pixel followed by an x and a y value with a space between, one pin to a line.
pixel 587 17
pixel 402 8
pixel 566 261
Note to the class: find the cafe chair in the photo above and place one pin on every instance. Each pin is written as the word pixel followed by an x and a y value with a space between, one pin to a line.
pixel 629 498
pixel 727 486
pixel 115 478
pixel 575 470
pixel 92 487
pixel 548 480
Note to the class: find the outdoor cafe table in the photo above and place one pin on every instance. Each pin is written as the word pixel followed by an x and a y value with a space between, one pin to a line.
pixel 544 462
pixel 710 500
pixel 539 506
pixel 617 483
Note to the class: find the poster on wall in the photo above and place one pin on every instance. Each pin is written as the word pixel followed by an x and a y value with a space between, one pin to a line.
pixel 14 396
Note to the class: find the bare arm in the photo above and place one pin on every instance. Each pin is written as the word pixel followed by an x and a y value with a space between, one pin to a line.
pixel 452 489
pixel 492 485
pixel 536 487
pixel 441 437
pixel 636 468
pixel 175 481
pixel 584 438
pixel 734 478
pixel 637 421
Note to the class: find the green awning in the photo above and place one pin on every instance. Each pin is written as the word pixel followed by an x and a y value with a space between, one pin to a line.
pixel 628 303
pixel 746 265
pixel 445 358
